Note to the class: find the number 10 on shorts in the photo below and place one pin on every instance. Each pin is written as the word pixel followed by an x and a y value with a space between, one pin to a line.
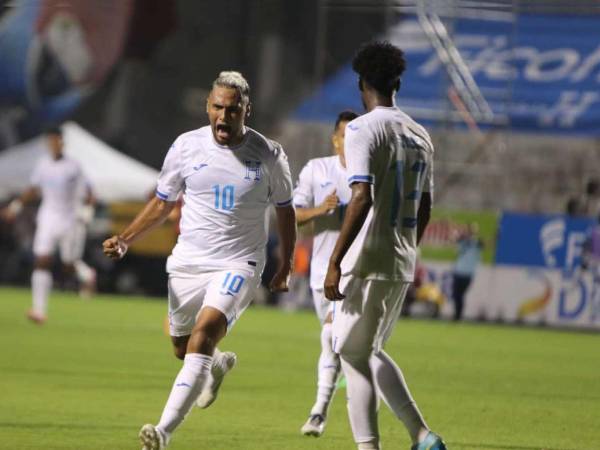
pixel 231 284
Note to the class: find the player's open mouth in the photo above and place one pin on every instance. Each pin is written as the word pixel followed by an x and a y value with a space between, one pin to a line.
pixel 223 131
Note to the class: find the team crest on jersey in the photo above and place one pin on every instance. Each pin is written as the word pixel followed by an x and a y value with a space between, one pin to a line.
pixel 253 170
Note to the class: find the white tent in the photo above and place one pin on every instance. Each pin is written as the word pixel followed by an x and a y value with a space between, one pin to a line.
pixel 113 175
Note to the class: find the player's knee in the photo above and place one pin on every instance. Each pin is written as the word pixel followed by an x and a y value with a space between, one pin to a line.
pixel 180 352
pixel 355 356
pixel 203 340
pixel 43 262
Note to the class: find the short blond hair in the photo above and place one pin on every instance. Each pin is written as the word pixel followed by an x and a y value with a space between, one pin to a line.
pixel 235 80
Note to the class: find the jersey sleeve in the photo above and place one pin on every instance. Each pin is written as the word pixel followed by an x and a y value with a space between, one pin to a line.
pixel 303 194
pixel 170 179
pixel 358 149
pixel 281 181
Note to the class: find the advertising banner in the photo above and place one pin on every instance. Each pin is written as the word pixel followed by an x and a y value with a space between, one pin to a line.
pixel 538 278
pixel 537 72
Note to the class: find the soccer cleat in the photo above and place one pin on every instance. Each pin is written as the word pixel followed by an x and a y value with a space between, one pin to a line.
pixel 431 442
pixel 222 364
pixel 36 317
pixel 314 426
pixel 152 438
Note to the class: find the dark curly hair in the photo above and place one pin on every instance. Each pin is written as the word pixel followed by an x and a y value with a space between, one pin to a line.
pixel 380 64
pixel 344 116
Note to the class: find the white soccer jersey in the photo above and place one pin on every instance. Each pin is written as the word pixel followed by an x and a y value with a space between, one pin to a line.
pixel 226 191
pixel 394 153
pixel 60 183
pixel 318 179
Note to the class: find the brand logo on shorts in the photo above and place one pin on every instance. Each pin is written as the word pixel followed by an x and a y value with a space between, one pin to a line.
pixel 200 166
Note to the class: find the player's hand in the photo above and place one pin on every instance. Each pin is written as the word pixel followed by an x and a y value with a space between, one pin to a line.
pixel 330 203
pixel 332 283
pixel 6 215
pixel 280 281
pixel 115 247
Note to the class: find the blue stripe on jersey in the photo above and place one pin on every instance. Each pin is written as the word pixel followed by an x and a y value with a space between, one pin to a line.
pixel 300 205
pixel 361 178
pixel 286 203
pixel 161 195
pixel 419 166
pixel 409 222
pixel 414 195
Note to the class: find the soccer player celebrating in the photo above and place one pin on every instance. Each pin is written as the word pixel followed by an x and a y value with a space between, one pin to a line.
pixel 389 164
pixel 62 187
pixel 320 197
pixel 229 174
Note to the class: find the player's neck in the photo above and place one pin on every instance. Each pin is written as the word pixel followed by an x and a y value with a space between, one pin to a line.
pixel 374 100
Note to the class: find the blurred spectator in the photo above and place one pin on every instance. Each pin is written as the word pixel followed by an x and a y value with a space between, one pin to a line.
pixel 591 250
pixel 470 247
pixel 587 204
pixel 591 201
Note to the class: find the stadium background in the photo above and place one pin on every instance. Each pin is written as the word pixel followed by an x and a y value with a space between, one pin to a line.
pixel 509 91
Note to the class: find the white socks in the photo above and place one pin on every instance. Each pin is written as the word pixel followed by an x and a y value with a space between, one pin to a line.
pixel 362 400
pixel 366 379
pixel 187 387
pixel 84 273
pixel 41 284
pixel 328 371
pixel 369 446
pixel 394 392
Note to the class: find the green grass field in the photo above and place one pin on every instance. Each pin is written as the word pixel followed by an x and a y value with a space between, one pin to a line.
pixel 100 369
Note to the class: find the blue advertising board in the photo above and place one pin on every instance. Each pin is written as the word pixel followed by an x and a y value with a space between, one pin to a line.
pixel 539 73
pixel 553 242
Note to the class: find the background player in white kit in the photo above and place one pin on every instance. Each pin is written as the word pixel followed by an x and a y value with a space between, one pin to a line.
pixel 389 162
pixel 320 198
pixel 229 174
pixel 62 187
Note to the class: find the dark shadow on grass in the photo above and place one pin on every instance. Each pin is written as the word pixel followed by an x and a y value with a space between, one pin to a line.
pixel 466 445
pixel 62 426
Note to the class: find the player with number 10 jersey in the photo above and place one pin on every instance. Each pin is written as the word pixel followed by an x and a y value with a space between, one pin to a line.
pixel 226 192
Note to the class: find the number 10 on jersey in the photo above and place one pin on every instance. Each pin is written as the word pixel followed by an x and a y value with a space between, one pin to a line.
pixel 223 196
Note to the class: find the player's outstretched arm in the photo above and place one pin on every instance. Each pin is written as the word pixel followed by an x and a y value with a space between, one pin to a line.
pixel 286 228
pixel 423 215
pixel 154 213
pixel 356 214
pixel 14 208
pixel 305 215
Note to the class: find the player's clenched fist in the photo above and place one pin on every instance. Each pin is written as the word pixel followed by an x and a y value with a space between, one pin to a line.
pixel 330 203
pixel 115 247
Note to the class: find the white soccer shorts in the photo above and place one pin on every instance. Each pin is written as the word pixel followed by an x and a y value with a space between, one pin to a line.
pixel 322 305
pixel 69 238
pixel 365 319
pixel 229 291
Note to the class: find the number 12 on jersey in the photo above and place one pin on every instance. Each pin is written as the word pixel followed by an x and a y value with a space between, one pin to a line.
pixel 224 196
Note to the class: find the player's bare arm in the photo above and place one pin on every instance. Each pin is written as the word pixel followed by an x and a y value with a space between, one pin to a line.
pixel 154 213
pixel 14 208
pixel 305 215
pixel 423 215
pixel 355 217
pixel 286 229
